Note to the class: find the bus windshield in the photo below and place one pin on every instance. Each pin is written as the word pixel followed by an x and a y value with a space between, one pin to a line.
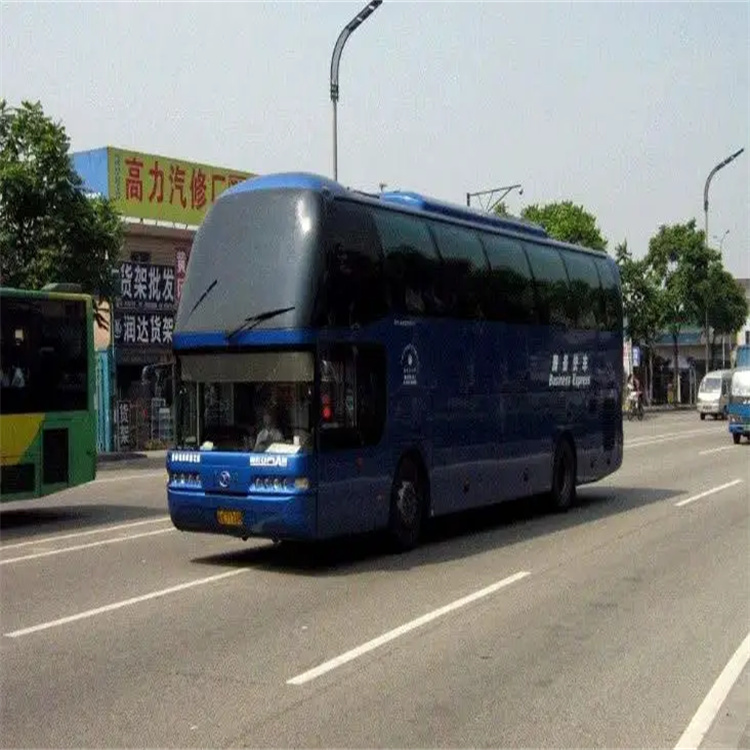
pixel 257 402
pixel 255 252
pixel 741 383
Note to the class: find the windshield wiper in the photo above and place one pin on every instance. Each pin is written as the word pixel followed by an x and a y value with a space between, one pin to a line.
pixel 253 320
pixel 201 298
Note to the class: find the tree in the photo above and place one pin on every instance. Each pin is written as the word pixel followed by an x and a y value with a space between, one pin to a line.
pixel 643 303
pixel 727 305
pixel 680 259
pixel 50 230
pixel 568 223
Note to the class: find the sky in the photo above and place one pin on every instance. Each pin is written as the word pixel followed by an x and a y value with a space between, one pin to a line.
pixel 621 107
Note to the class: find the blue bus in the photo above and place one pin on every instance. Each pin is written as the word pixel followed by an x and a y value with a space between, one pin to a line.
pixel 739 404
pixel 742 356
pixel 347 362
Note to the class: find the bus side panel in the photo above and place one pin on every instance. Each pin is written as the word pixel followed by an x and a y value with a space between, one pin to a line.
pixel 80 435
pixel 353 491
pixel 609 385
pixel 512 384
pixel 582 404
pixel 20 457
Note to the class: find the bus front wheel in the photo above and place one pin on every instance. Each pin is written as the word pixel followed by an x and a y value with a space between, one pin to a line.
pixel 563 476
pixel 408 506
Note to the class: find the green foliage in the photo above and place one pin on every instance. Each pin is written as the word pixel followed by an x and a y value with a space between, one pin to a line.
pixel 50 231
pixel 568 223
pixel 642 299
pixel 727 304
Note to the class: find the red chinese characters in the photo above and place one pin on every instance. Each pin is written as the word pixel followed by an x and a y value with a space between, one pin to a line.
pixel 157 186
pixel 220 179
pixel 133 180
pixel 177 184
pixel 198 189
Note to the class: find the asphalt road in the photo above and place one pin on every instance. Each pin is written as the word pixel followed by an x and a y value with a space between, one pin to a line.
pixel 604 627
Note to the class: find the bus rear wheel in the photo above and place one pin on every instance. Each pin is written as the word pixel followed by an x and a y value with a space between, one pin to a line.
pixel 736 437
pixel 408 506
pixel 563 491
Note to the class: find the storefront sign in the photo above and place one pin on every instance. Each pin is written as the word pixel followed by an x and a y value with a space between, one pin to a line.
pixel 147 186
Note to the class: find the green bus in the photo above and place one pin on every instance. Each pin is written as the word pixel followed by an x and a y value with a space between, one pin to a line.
pixel 47 412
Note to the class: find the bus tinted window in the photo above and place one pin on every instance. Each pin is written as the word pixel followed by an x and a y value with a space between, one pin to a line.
pixel 44 362
pixel 354 289
pixel 510 289
pixel 551 282
pixel 352 396
pixel 585 297
pixel 612 300
pixel 464 271
pixel 411 264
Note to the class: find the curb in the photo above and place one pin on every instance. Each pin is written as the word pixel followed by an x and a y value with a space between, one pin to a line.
pixel 111 457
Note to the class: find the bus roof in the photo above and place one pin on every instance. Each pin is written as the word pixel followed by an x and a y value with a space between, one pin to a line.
pixel 400 200
pixel 7 291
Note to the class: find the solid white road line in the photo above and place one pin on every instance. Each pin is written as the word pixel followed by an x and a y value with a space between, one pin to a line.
pixel 712 491
pixel 76 534
pixel 658 439
pixel 354 653
pixel 716 450
pixel 706 713
pixel 77 547
pixel 124 603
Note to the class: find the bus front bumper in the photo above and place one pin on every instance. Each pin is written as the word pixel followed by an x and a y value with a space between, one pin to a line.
pixel 269 517
pixel 738 426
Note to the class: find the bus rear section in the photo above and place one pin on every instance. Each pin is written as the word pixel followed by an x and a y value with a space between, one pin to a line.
pixel 739 405
pixel 47 418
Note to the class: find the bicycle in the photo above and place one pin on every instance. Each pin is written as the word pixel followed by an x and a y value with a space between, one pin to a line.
pixel 635 407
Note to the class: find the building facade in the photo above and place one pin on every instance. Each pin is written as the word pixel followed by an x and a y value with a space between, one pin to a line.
pixel 162 200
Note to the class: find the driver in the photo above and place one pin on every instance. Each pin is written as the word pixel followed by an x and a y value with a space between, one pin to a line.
pixel 269 433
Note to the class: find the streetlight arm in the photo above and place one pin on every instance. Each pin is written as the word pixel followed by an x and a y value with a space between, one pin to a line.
pixel 338 48
pixel 719 166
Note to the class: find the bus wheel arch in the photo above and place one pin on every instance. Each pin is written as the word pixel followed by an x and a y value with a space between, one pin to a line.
pixel 409 501
pixel 564 473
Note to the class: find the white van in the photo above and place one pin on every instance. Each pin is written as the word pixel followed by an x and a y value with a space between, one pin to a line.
pixel 713 394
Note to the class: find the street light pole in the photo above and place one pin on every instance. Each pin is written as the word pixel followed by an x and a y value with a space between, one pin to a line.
pixel 721 241
pixel 719 166
pixel 492 201
pixel 338 48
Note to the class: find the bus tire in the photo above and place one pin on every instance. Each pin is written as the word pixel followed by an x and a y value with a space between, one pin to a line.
pixel 408 506
pixel 736 437
pixel 563 492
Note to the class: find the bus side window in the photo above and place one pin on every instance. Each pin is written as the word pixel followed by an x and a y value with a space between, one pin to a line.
pixel 412 266
pixel 353 396
pixel 511 288
pixel 586 306
pixel 353 289
pixel 551 282
pixel 611 293
pixel 465 270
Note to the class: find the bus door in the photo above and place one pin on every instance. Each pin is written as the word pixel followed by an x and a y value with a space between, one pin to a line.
pixel 354 468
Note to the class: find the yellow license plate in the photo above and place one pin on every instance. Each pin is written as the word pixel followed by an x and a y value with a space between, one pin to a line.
pixel 229 517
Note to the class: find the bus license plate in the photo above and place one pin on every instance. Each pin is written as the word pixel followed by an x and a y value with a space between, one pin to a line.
pixel 229 517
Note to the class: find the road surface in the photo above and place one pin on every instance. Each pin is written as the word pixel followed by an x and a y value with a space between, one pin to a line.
pixel 608 626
